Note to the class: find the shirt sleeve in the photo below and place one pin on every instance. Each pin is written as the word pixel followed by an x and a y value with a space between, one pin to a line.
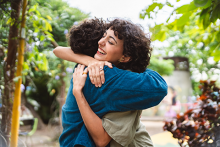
pixel 126 90
pixel 121 127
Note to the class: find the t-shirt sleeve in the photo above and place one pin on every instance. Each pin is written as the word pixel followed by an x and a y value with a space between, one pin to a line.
pixel 121 126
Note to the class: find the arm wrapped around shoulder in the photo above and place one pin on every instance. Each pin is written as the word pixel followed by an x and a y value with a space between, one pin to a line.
pixel 133 91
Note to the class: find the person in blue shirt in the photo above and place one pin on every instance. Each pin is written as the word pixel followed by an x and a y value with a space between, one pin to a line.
pixel 125 46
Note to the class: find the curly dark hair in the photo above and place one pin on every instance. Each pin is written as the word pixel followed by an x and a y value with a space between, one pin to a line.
pixel 83 38
pixel 136 44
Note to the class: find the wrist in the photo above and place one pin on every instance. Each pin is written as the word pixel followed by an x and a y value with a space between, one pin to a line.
pixel 92 61
pixel 77 90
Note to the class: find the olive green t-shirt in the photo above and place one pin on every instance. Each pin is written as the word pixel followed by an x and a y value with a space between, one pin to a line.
pixel 126 129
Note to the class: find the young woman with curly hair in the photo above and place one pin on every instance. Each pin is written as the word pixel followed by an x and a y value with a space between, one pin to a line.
pixel 92 108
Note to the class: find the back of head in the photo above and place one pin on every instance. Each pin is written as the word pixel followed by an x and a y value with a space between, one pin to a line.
pixel 136 44
pixel 83 38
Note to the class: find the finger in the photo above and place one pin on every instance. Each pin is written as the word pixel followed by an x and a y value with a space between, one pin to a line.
pixel 75 70
pixel 78 65
pixel 90 75
pixel 85 71
pixel 81 68
pixel 102 76
pixel 94 77
pixel 108 64
pixel 97 75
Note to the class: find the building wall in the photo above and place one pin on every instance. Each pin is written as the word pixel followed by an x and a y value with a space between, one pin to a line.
pixel 181 82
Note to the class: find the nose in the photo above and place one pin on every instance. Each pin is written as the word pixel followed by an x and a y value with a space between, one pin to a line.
pixel 102 42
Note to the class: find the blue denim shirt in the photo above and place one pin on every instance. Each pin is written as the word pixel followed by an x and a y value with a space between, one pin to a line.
pixel 122 91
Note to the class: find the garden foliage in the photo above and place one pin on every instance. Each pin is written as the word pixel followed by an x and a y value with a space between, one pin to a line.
pixel 200 125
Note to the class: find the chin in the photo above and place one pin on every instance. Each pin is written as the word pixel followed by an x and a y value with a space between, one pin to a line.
pixel 97 57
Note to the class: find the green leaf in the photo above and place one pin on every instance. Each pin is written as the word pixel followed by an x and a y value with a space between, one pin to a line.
pixel 183 19
pixel 48 26
pixel 163 36
pixel 156 29
pixel 153 6
pixel 192 6
pixel 42 37
pixel 48 17
pixel 218 36
pixel 182 9
pixel 200 3
pixel 10 21
pixel 31 74
pixel 186 8
pixel 215 14
pixel 163 67
pixel 203 13
pixel 36 30
pixel 25 66
pixel 38 13
pixel 213 46
pixel 142 16
pixel 168 4
pixel 205 18
pixel 16 79
pixel 216 55
pixel 33 8
pixel 208 4
pixel 168 19
pixel 206 21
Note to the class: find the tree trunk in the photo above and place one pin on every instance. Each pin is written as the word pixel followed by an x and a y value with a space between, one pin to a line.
pixel 9 70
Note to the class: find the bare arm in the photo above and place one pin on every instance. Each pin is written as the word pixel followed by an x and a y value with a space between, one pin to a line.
pixel 96 76
pixel 67 54
pixel 92 122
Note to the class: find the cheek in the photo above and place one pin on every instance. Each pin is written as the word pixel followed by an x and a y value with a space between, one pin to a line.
pixel 119 52
pixel 114 54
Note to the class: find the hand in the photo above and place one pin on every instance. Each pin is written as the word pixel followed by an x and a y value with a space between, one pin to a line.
pixel 79 77
pixel 96 72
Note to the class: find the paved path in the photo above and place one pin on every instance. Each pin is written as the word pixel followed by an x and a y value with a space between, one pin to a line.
pixel 164 139
pixel 160 138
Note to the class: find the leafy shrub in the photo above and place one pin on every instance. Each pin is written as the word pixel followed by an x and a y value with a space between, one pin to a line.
pixel 199 126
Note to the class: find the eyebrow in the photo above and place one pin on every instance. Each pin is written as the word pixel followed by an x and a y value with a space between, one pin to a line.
pixel 113 39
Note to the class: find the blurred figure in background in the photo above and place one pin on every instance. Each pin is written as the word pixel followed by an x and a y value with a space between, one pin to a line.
pixel 173 105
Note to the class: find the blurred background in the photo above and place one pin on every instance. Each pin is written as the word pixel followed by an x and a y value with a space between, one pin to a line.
pixel 186 52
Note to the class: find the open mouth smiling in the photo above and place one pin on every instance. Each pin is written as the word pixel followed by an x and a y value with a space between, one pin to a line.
pixel 101 51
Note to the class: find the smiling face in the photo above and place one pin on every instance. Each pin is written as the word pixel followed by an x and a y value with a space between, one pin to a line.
pixel 110 48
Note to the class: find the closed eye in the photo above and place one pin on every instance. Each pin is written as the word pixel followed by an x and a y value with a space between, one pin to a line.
pixel 110 42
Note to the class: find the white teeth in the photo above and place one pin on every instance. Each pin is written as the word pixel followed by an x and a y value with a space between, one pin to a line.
pixel 101 51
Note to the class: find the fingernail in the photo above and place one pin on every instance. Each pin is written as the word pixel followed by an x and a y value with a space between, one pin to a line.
pixel 102 82
pixel 100 85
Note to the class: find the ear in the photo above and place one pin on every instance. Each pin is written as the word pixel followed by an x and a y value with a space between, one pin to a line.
pixel 124 59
